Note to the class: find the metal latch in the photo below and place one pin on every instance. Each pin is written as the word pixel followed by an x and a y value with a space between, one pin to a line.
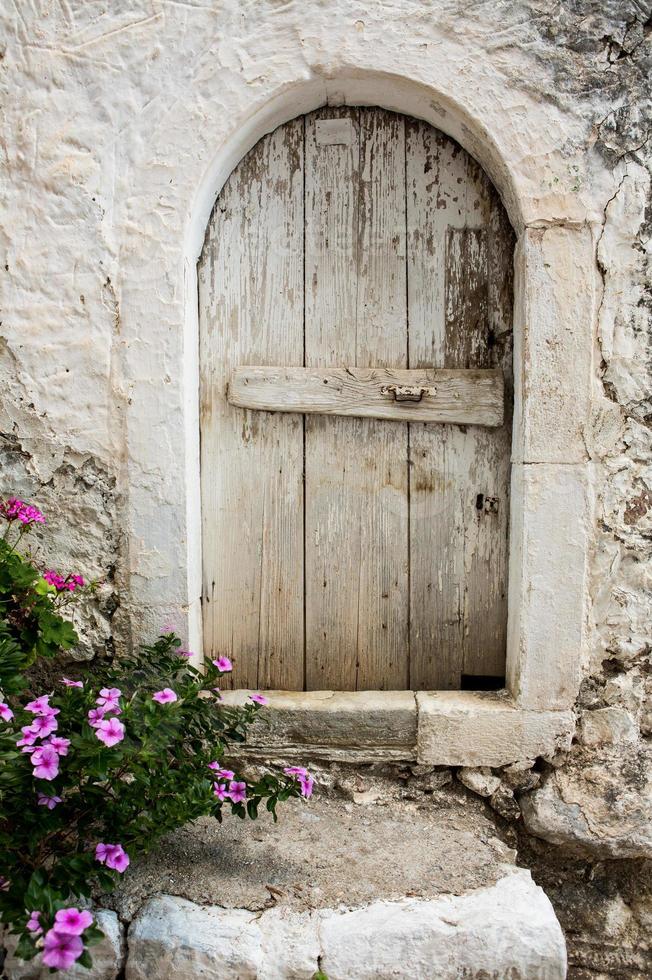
pixel 407 393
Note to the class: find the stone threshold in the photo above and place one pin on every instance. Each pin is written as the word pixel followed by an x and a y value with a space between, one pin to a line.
pixel 445 728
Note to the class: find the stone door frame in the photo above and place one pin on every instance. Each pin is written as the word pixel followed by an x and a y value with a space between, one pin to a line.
pixel 556 283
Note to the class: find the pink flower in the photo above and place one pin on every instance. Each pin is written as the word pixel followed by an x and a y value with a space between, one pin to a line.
pixel 28 739
pixel 109 694
pixel 69 683
pixel 113 855
pixel 49 801
pixel 303 777
pixel 72 922
pixel 41 706
pixel 61 950
pixel 220 773
pixel 54 579
pixel 46 762
pixel 110 731
pixel 220 791
pixel 223 664
pixel 108 700
pixel 4 884
pixel 306 783
pixel 166 696
pixel 5 712
pixel 60 745
pixel 95 716
pixel 77 580
pixel 33 924
pixel 259 698
pixel 295 771
pixel 238 792
pixel 14 509
pixel 168 628
pixel 185 653
pixel 43 725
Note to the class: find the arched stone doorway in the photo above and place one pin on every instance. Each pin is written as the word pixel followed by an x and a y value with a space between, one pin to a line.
pixel 355 553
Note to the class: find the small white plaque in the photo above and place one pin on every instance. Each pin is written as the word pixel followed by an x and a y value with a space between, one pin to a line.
pixel 334 132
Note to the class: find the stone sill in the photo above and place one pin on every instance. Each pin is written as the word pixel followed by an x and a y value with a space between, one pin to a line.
pixel 444 728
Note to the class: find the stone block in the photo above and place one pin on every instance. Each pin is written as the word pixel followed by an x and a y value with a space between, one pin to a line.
pixel 356 726
pixel 550 533
pixel 508 930
pixel 553 343
pixel 459 728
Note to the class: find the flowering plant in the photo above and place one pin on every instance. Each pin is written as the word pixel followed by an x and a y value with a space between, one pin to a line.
pixel 95 771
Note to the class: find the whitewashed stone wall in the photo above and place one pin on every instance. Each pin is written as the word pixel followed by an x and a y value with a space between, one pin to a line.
pixel 120 123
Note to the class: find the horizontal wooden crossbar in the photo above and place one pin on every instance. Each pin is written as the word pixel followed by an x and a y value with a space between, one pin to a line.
pixel 472 397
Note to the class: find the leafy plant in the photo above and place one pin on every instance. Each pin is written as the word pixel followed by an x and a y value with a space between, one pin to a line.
pixel 96 771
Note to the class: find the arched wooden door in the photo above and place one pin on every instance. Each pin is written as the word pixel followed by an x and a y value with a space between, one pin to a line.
pixel 352 553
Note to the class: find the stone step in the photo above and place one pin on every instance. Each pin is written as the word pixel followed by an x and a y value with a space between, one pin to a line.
pixel 377 888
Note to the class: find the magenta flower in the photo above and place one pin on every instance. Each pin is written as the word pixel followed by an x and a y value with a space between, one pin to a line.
pixel 166 696
pixel 303 777
pixel 41 706
pixel 60 745
pixel 238 792
pixel 61 950
pixel 221 791
pixel 295 771
pixel 14 509
pixel 72 922
pixel 223 664
pixel 185 653
pixel 28 739
pixel 306 783
pixel 113 855
pixel 69 683
pixel 220 773
pixel 61 584
pixel 95 716
pixel 33 924
pixel 108 700
pixel 5 712
pixel 109 694
pixel 54 579
pixel 46 762
pixel 110 731
pixel 49 801
pixel 259 698
pixel 44 725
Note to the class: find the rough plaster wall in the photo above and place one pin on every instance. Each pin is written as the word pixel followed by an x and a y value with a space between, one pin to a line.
pixel 87 86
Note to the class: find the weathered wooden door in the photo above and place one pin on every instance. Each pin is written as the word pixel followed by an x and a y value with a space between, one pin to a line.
pixel 340 552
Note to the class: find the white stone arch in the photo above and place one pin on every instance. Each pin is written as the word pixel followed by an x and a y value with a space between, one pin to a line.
pixel 553 331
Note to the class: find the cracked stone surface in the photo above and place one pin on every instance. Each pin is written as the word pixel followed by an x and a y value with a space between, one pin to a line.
pixel 507 929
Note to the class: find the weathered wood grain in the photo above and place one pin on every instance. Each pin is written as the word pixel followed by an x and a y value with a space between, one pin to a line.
pixel 251 308
pixel 356 473
pixel 457 548
pixel 418 395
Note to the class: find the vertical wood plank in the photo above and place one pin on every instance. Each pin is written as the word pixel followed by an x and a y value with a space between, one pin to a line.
pixel 458 549
pixel 356 472
pixel 251 311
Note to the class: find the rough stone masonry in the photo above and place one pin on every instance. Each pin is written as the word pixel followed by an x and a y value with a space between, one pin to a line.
pixel 110 112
